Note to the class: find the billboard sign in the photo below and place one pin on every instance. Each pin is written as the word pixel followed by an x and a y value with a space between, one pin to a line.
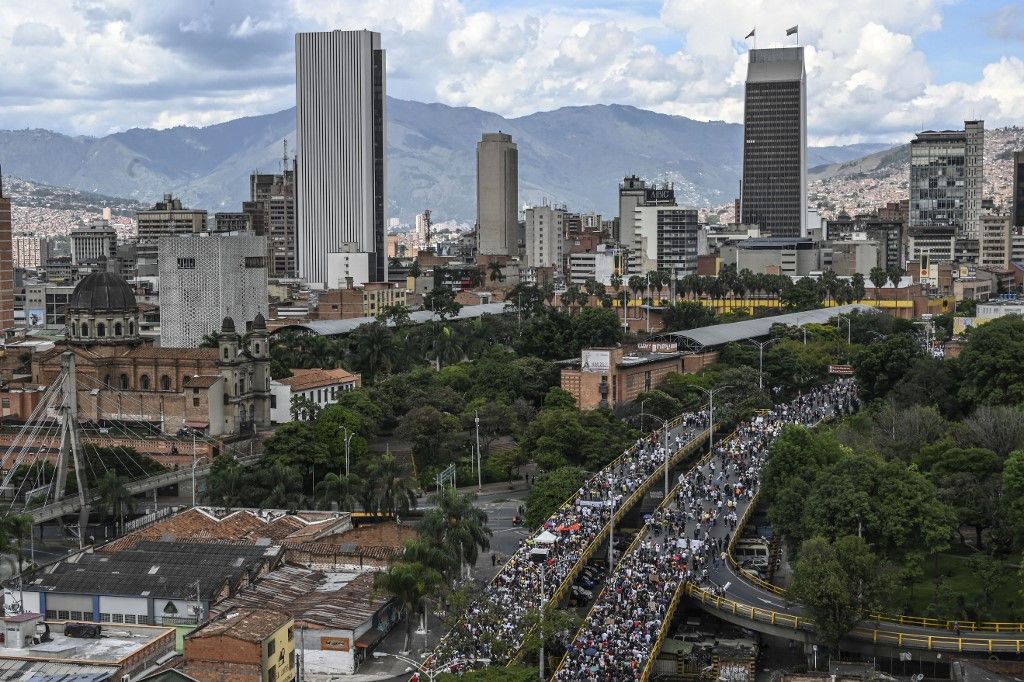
pixel 597 361
pixel 842 370
pixel 657 346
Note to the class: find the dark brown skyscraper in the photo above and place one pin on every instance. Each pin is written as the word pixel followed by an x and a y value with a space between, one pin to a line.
pixel 774 192
pixel 1017 192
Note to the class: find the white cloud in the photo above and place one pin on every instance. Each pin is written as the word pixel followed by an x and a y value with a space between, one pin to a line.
pixel 116 64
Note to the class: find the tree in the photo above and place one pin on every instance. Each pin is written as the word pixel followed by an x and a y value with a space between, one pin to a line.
pixel 457 527
pixel 375 349
pixel 431 433
pixel 408 584
pixel 441 300
pixel 514 673
pixel 804 295
pixel 968 480
pixel 282 486
pixel 295 444
pixel 1013 489
pixel 442 344
pixel 338 489
pixel 393 487
pixel 14 530
pixel 655 402
pixel 859 290
pixel 112 490
pixel 595 328
pixel 494 269
pixel 990 363
pixel 304 409
pixel 837 582
pixel 899 433
pixel 550 490
pixel 878 279
pixel 397 314
pixel 687 315
pixel 880 366
pixel 999 428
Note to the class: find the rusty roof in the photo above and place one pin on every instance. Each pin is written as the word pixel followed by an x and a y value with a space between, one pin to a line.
pixel 305 379
pixel 317 599
pixel 248 625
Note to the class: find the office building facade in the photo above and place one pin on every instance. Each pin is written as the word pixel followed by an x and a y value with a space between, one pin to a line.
pixel 272 208
pixel 206 278
pixel 167 218
pixel 497 195
pixel 773 194
pixel 633 192
pixel 340 128
pixel 947 177
pixel 544 236
pixel 97 239
pixel 1017 190
pixel 665 238
pixel 6 265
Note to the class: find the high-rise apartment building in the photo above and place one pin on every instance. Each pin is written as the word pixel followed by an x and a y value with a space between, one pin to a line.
pixel 633 192
pixel 1017 190
pixel 994 240
pixel 205 278
pixel 497 195
pixel 544 236
pixel 947 176
pixel 6 265
pixel 773 194
pixel 96 239
pixel 30 252
pixel 665 238
pixel 166 218
pixel 974 182
pixel 272 207
pixel 340 129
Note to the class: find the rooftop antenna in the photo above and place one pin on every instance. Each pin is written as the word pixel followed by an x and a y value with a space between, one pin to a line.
pixel 284 159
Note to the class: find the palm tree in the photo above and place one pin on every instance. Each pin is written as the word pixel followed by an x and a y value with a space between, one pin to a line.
pixel 636 284
pixel 421 551
pixel 15 527
pixel 858 287
pixel 494 268
pixel 457 527
pixel 616 281
pixel 337 488
pixel 395 490
pixel 443 345
pixel 114 496
pixel 407 583
pixel 878 277
pixel 415 270
pixel 830 284
pixel 375 348
pixel 282 486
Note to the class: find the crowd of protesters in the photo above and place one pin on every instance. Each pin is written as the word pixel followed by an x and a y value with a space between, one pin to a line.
pixel 685 542
pixel 494 627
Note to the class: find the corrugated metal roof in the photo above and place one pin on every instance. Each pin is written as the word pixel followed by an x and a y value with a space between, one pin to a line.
pixel 720 334
pixel 338 327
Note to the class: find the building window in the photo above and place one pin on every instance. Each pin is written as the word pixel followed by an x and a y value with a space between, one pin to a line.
pixel 186 263
pixel 63 615
pixel 195 401
pixel 85 329
pixel 225 352
pixel 165 383
pixel 117 618
pixel 124 381
pixel 104 617
pixel 257 349
pixel 129 618
pixel 76 615
pixel 255 262
pixel 144 382
pixel 273 401
pixel 271 648
pixel 73 329
pixel 101 329
pixel 118 329
pixel 131 329
pixel 143 620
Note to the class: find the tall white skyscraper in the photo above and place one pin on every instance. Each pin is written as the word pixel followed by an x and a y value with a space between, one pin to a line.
pixel 340 129
pixel 774 191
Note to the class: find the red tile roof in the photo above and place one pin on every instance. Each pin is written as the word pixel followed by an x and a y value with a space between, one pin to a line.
pixel 305 379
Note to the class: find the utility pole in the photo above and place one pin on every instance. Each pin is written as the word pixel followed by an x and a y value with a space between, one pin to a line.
pixel 479 478
pixel 543 566
pixel 760 360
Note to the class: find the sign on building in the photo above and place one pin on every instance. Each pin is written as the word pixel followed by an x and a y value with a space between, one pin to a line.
pixel 844 370
pixel 334 643
pixel 657 346
pixel 597 361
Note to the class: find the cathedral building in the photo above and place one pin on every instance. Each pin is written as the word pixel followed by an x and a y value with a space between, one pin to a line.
pixel 222 391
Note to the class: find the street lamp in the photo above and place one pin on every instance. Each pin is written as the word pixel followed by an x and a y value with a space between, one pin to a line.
pixel 348 439
pixel 711 412
pixel 539 555
pixel 760 359
pixel 849 327
pixel 479 478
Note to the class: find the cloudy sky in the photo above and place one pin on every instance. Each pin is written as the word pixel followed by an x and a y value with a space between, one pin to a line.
pixel 877 69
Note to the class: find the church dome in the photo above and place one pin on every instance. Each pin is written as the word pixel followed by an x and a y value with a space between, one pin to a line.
pixel 103 292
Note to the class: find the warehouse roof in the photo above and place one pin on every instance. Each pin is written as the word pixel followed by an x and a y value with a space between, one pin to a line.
pixel 338 327
pixel 721 334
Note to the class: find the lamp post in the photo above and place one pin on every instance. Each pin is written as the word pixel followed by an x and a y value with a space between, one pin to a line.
pixel 849 327
pixel 760 359
pixel 194 461
pixel 711 412
pixel 347 437
pixel 479 478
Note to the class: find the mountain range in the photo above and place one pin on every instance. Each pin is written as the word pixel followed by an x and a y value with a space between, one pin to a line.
pixel 573 155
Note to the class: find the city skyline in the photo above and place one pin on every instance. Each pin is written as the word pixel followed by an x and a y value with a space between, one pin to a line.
pixel 877 71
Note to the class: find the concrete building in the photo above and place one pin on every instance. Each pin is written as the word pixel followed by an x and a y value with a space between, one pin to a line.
pixel 544 241
pixel 364 301
pixel 166 218
pixel 6 266
pixel 78 651
pixel 773 194
pixel 847 258
pixel 340 84
pixel 611 377
pixel 994 240
pixel 791 256
pixel 598 265
pixel 1017 191
pixel 96 239
pixel 633 193
pixel 932 244
pixel 947 176
pixel 497 195
pixel 206 278
pixel 251 644
pixel 322 387
pixel 45 305
pixel 271 206
pixel 30 252
pixel 233 221
pixel 664 238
